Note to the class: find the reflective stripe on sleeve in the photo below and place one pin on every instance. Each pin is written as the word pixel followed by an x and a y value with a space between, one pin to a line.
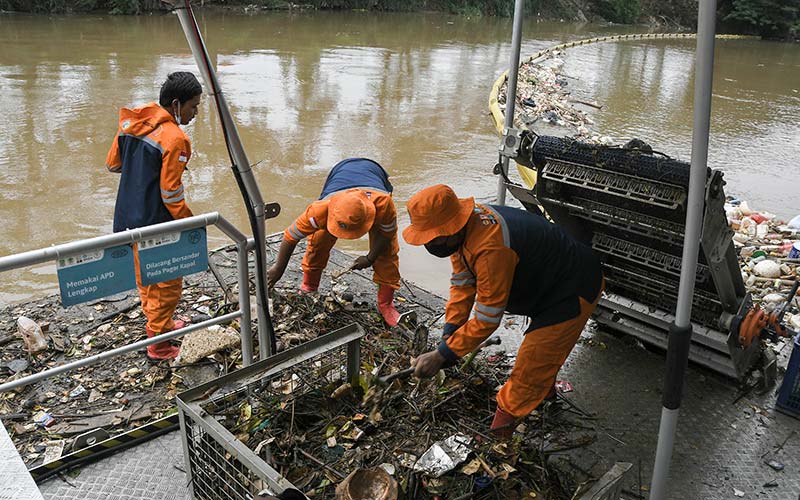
pixel 388 227
pixel 176 199
pixel 462 278
pixel 464 282
pixel 495 320
pixel 494 311
pixel 313 222
pixel 167 194
pixel 296 234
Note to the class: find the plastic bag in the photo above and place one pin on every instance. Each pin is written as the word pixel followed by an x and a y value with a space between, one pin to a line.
pixel 32 334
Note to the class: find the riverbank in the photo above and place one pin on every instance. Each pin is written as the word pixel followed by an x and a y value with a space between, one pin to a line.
pixel 743 18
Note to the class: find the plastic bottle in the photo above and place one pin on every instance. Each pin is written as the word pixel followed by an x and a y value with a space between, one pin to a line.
pixel 32 334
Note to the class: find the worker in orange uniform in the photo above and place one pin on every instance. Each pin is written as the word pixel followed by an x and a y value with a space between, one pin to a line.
pixel 356 199
pixel 506 259
pixel 151 152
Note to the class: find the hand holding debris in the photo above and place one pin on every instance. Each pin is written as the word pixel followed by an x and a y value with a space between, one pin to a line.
pixel 273 275
pixel 361 262
pixel 428 365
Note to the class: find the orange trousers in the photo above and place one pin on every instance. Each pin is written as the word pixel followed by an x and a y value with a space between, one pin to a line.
pixel 158 300
pixel 386 268
pixel 540 357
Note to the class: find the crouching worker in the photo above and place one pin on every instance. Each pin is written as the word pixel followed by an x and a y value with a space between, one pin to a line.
pixel 356 199
pixel 150 152
pixel 506 259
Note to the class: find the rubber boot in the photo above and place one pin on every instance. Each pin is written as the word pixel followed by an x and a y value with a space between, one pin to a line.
pixel 161 351
pixel 179 323
pixel 386 305
pixel 503 424
pixel 310 281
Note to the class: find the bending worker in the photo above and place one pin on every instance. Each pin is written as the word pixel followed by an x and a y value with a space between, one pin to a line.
pixel 506 259
pixel 151 152
pixel 356 199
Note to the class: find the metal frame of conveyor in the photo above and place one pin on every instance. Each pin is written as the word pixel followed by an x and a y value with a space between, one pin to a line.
pixel 630 206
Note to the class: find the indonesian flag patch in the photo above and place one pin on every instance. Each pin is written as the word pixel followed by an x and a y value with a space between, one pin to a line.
pixel 183 157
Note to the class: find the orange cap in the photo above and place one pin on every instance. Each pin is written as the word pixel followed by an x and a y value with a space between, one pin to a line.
pixel 436 211
pixel 350 214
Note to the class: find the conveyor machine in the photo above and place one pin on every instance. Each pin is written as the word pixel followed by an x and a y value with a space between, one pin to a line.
pixel 629 204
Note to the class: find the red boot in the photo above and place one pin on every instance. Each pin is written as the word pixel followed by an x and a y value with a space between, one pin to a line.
pixel 503 424
pixel 310 281
pixel 162 350
pixel 178 324
pixel 386 305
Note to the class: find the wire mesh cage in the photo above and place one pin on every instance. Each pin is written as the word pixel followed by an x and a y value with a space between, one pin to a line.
pixel 218 419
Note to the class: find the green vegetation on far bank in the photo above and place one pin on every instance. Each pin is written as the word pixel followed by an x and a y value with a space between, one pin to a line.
pixel 779 19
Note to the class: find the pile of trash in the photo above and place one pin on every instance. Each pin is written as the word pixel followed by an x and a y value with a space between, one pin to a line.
pixel 409 438
pixel 51 417
pixel 769 251
pixel 58 415
pixel 543 97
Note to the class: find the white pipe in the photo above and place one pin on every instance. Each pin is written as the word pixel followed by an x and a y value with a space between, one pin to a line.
pixel 704 72
pixel 511 91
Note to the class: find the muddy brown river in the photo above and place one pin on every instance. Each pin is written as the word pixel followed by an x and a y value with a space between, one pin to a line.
pixel 309 89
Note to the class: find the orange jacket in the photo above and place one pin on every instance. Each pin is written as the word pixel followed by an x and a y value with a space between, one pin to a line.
pixel 151 153
pixel 512 260
pixel 316 217
pixel 483 271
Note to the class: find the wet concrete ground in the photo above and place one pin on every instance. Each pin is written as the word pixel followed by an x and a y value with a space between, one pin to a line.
pixel 724 439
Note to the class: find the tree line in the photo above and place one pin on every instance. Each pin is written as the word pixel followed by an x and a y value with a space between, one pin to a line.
pixel 778 19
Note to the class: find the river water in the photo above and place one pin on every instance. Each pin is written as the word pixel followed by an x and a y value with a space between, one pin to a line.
pixel 309 89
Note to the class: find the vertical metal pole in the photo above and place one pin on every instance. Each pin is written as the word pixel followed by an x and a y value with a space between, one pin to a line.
pixel 354 361
pixel 244 303
pixel 681 330
pixel 511 91
pixel 242 164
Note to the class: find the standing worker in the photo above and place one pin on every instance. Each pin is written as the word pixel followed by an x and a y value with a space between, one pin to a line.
pixel 356 199
pixel 151 152
pixel 506 259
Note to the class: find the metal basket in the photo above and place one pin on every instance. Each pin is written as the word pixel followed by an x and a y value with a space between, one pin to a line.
pixel 789 395
pixel 221 467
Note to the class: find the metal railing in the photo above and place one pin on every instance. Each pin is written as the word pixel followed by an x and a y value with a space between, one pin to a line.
pixel 130 236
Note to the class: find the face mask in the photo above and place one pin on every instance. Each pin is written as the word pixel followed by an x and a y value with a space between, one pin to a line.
pixel 178 114
pixel 442 250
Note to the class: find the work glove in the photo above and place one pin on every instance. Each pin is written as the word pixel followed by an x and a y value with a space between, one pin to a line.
pixel 362 262
pixel 447 330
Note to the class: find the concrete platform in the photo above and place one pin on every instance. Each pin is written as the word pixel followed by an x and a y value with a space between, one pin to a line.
pixel 15 482
pixel 724 439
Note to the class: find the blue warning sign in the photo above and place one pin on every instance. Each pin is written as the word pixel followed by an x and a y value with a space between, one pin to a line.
pixel 95 274
pixel 172 255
